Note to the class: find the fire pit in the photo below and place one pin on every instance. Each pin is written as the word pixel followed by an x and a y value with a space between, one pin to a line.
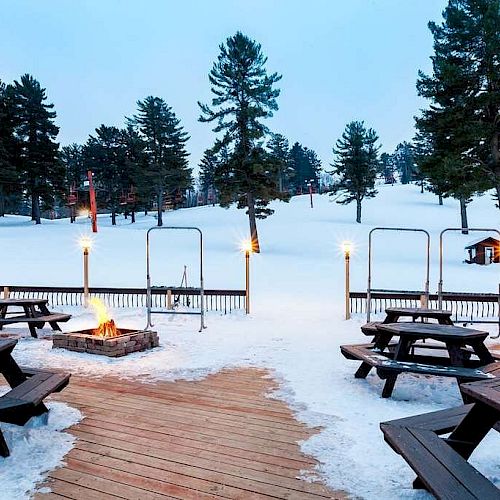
pixel 106 339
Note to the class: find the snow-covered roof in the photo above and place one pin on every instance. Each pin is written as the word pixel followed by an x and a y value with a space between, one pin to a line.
pixel 479 240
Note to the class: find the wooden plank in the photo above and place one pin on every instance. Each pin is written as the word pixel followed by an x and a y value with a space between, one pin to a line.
pixel 186 440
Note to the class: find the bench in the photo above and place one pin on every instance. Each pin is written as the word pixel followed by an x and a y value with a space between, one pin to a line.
pixel 439 468
pixel 37 321
pixel 386 366
pixel 25 400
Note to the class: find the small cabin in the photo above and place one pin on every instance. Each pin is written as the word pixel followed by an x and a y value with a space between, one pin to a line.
pixel 483 252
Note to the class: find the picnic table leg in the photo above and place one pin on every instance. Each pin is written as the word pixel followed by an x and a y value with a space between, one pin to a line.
pixel 482 352
pixel 45 311
pixel 3 313
pixel 472 429
pixel 4 449
pixel 381 341
pixel 400 354
pixel 11 371
pixel 32 328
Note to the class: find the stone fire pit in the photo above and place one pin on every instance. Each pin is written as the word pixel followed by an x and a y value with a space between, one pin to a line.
pixel 126 342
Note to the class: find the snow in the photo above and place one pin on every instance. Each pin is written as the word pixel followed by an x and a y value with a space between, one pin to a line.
pixel 296 325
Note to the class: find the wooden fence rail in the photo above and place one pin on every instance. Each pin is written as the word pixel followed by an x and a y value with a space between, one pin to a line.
pixel 225 301
pixel 465 306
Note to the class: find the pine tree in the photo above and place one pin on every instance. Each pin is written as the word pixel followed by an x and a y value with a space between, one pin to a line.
pixel 356 165
pixel 460 132
pixel 167 167
pixel 279 148
pixel 244 95
pixel 387 168
pixel 73 160
pixel 9 151
pixel 305 166
pixel 105 155
pixel 208 165
pixel 41 172
pixel 403 159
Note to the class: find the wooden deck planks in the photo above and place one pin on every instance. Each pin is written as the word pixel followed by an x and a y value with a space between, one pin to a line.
pixel 220 437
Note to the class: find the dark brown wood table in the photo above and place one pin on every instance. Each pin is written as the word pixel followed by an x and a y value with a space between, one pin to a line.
pixel 455 339
pixel 481 418
pixel 36 314
pixel 393 314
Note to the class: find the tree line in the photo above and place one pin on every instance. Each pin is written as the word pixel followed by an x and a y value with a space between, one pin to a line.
pixel 455 153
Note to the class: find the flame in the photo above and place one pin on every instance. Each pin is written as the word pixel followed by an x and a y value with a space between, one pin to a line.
pixel 106 326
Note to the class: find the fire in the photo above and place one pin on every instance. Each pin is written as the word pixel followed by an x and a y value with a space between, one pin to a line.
pixel 106 326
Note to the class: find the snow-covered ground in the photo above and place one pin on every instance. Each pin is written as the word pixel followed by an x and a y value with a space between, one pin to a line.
pixel 296 325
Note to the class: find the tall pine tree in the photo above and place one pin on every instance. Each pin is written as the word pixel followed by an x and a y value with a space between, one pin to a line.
pixel 244 96
pixel 41 173
pixel 356 165
pixel 167 168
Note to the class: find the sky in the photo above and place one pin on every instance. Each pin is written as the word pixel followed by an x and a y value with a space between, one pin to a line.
pixel 341 60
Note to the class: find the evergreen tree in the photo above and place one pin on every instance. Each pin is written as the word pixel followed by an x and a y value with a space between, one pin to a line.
pixel 305 165
pixel 9 185
pixel 73 160
pixel 460 131
pixel 387 168
pixel 41 172
pixel 403 160
pixel 244 95
pixel 167 168
pixel 279 148
pixel 105 155
pixel 356 164
pixel 208 166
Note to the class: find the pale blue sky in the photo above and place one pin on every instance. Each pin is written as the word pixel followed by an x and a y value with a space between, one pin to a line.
pixel 341 60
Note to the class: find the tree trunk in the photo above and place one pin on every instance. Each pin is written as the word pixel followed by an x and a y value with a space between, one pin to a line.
pixel 132 216
pixel 113 217
pixel 358 211
pixel 160 208
pixel 36 209
pixel 422 186
pixel 125 215
pixel 440 197
pixel 254 237
pixel 463 215
pixel 497 189
pixel 2 203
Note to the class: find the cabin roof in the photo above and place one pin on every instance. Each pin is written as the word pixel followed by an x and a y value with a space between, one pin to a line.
pixel 473 243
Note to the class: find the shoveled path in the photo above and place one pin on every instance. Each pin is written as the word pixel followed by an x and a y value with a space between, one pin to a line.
pixel 220 437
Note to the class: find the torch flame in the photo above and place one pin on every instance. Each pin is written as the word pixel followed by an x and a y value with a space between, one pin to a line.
pixel 106 326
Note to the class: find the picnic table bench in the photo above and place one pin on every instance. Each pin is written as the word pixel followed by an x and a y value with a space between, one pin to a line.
pixel 36 314
pixel 391 359
pixel 441 463
pixel 29 387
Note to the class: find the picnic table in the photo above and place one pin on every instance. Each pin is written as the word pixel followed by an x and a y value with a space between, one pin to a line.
pixel 394 314
pixel 391 359
pixel 36 314
pixel 29 387
pixel 441 464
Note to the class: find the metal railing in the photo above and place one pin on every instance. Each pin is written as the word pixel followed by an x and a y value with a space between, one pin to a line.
pixel 224 301
pixel 466 307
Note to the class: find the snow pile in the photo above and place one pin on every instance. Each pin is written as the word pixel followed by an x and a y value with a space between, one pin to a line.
pixel 36 448
pixel 296 325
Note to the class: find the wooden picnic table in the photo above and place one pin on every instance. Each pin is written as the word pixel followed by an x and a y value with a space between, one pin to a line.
pixel 28 389
pixel 391 358
pixel 36 314
pixel 441 463
pixel 454 338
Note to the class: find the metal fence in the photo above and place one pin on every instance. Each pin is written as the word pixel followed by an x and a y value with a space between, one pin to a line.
pixel 225 301
pixel 465 306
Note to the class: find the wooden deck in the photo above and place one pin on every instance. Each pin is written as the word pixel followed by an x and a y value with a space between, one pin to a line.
pixel 216 438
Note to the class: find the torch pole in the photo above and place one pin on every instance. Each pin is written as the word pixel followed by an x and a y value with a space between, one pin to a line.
pixel 311 194
pixel 347 287
pixel 247 282
pixel 86 277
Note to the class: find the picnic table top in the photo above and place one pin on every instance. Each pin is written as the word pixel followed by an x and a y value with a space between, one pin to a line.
pixel 485 391
pixel 418 311
pixel 22 302
pixel 433 331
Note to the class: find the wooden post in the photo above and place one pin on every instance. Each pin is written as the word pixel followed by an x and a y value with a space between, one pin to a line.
pixel 347 287
pixel 247 282
pixel 6 292
pixel 169 299
pixel 86 277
